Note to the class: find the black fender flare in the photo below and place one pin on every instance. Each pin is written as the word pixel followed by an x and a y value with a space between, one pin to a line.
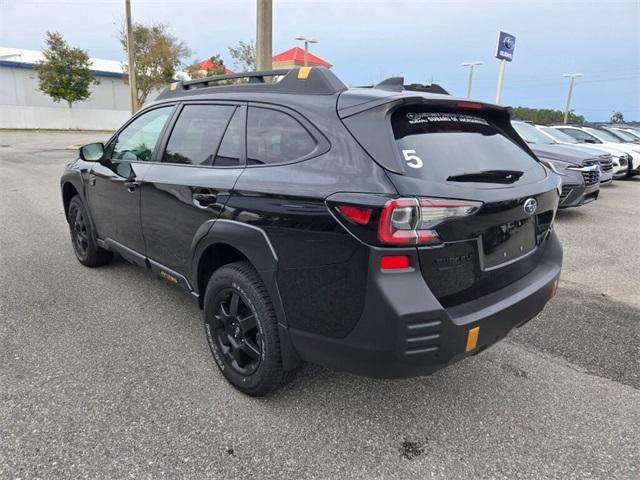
pixel 254 244
pixel 73 177
pixel 77 177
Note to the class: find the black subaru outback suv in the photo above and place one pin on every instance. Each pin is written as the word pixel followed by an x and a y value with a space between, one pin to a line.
pixel 386 231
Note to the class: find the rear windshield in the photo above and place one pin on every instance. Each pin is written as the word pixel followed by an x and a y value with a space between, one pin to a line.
pixel 439 145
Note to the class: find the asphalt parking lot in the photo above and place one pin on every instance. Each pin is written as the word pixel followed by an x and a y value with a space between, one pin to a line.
pixel 106 373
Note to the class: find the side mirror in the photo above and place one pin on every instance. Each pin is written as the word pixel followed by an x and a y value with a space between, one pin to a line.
pixel 92 152
pixel 589 140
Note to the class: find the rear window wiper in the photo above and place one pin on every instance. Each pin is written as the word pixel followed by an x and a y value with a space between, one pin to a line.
pixel 488 176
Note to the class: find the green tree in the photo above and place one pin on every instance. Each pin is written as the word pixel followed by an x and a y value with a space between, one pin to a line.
pixel 65 72
pixel 158 55
pixel 244 56
pixel 545 116
pixel 617 117
pixel 195 70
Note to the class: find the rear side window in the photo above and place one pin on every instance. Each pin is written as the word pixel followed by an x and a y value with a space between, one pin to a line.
pixel 197 134
pixel 275 137
pixel 439 145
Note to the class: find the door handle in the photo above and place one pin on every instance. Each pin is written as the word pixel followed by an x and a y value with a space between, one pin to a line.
pixel 131 185
pixel 204 199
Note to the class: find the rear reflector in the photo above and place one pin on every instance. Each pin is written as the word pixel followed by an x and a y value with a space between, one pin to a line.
pixel 394 262
pixel 472 339
pixel 356 214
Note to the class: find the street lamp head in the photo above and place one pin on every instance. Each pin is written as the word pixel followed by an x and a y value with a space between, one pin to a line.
pixel 305 39
pixel 567 75
pixel 471 64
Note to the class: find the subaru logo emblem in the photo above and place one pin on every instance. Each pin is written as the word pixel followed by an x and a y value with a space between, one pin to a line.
pixel 530 206
pixel 508 43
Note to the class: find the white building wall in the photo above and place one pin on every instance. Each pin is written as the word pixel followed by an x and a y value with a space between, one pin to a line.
pixel 22 105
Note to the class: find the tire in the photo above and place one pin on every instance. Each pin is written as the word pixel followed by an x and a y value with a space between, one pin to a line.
pixel 83 237
pixel 242 330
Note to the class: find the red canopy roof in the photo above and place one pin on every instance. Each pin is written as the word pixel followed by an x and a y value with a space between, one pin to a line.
pixel 297 54
pixel 207 64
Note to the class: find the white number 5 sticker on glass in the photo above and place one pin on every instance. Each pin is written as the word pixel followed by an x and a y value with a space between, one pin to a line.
pixel 412 159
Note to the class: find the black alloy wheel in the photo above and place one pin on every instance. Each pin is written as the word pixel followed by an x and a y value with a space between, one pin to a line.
pixel 237 333
pixel 83 238
pixel 242 330
pixel 79 233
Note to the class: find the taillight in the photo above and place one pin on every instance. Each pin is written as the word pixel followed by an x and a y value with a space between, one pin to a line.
pixel 411 221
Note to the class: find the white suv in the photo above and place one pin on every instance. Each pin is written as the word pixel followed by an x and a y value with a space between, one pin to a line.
pixel 619 158
pixel 596 136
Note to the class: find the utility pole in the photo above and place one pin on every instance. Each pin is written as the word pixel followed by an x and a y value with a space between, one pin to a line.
pixel 133 91
pixel 306 41
pixel 572 77
pixel 470 81
pixel 264 34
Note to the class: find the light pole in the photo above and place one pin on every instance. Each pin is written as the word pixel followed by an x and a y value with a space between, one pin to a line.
pixel 572 77
pixel 264 30
pixel 306 41
pixel 470 81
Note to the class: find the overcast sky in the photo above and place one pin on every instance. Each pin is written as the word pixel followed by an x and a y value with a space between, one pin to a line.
pixel 368 40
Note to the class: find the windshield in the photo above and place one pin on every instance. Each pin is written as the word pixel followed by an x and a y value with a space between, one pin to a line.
pixel 531 134
pixel 627 137
pixel 558 135
pixel 438 145
pixel 603 135
pixel 633 133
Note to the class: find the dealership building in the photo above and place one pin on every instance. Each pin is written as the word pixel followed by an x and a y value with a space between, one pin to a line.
pixel 24 106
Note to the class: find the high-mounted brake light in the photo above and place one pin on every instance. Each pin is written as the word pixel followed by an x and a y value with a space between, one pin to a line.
pixel 356 214
pixel 411 221
pixel 474 105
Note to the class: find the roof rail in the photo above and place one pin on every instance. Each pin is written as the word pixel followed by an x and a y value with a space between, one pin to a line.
pixel 301 80
pixel 254 77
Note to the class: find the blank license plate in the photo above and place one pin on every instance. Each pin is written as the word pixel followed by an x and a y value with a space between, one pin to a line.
pixel 505 243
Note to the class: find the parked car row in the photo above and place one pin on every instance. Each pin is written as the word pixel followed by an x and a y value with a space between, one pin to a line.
pixel 585 156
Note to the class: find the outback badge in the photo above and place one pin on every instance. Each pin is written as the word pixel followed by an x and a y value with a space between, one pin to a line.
pixel 530 206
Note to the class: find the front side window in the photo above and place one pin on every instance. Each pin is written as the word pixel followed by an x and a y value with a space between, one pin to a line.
pixel 138 139
pixel 197 134
pixel 276 137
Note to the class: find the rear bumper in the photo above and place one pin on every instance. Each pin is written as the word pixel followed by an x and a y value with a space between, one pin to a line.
pixel 405 332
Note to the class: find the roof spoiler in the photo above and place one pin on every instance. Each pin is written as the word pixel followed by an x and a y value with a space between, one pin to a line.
pixel 301 80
